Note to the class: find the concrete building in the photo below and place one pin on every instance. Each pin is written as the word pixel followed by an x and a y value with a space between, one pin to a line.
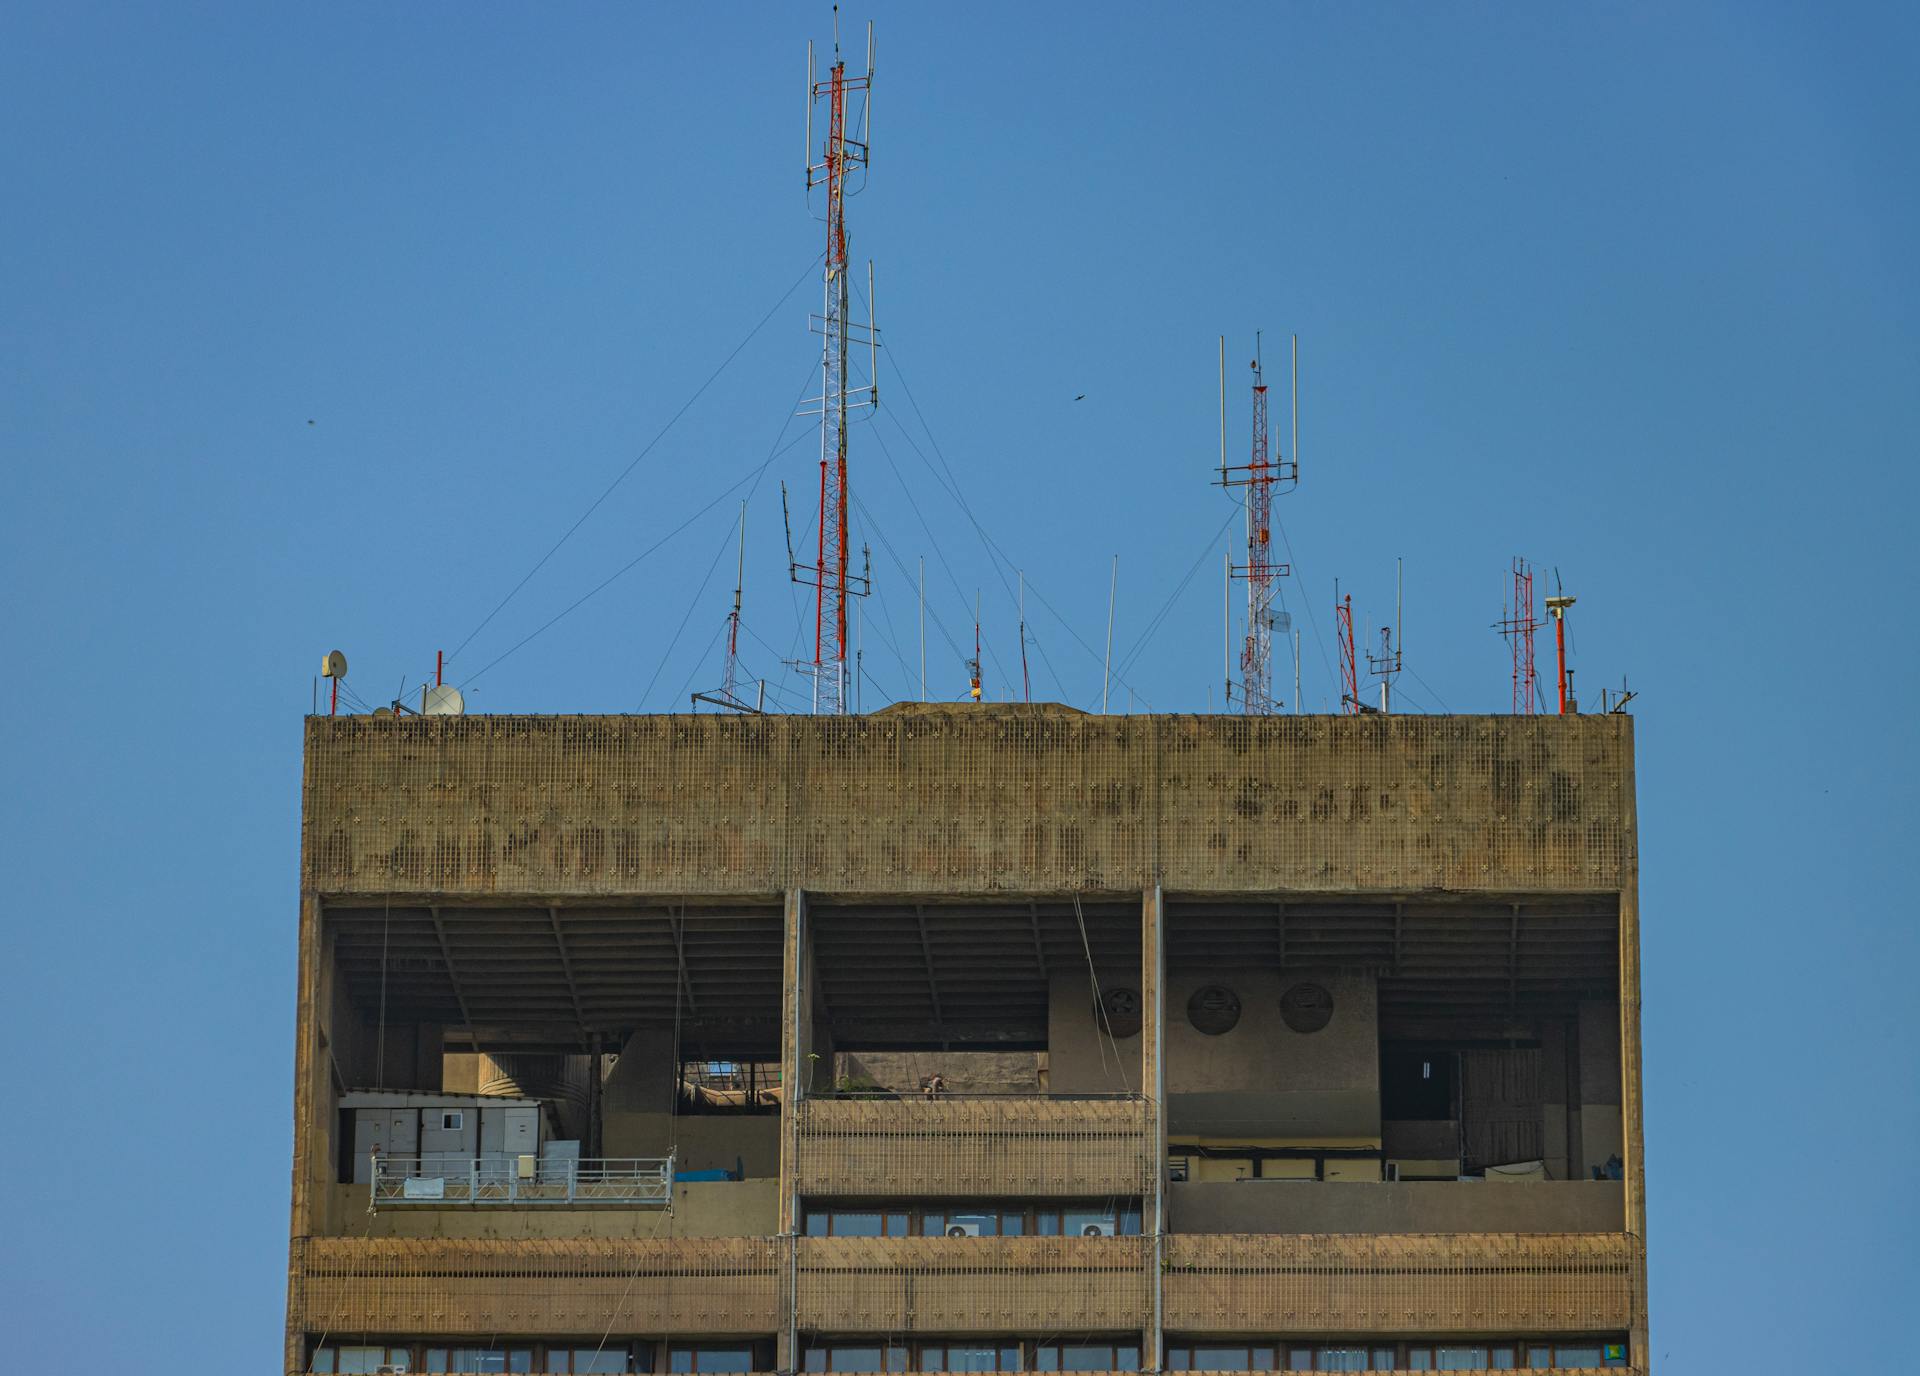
pixel 968 1038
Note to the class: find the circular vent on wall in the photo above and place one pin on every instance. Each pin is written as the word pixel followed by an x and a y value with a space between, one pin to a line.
pixel 1306 1008
pixel 1213 1009
pixel 1119 1011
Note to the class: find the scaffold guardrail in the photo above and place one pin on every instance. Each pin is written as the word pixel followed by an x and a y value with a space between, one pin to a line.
pixel 440 1181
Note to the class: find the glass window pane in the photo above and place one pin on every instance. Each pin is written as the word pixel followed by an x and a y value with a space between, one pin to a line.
pixel 359 1361
pixel 680 1361
pixel 973 1357
pixel 323 1361
pixel 1086 1357
pixel 605 1362
pixel 856 1223
pixel 1009 1357
pixel 1130 1222
pixel 1047 1223
pixel 1342 1359
pixel 1384 1359
pixel 723 1359
pixel 897 1223
pixel 1419 1359
pixel 1299 1359
pixel 1013 1223
pixel 1460 1359
pixel 1126 1357
pixel 816 1359
pixel 436 1359
pixel 933 1357
pixel 897 1359
pixel 1500 1358
pixel 933 1222
pixel 1180 1359
pixel 1046 1357
pixel 520 1359
pixel 1260 1358
pixel 1220 1359
pixel 1576 1356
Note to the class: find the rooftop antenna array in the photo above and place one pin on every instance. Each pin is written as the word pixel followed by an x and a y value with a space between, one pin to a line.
pixel 1518 623
pixel 727 695
pixel 1557 609
pixel 333 668
pixel 1387 664
pixel 973 665
pixel 1349 674
pixel 1264 477
pixel 841 156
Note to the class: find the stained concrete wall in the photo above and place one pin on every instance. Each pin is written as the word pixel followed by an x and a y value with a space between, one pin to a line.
pixel 942 800
pixel 1549 1206
pixel 701 1208
pixel 1598 1119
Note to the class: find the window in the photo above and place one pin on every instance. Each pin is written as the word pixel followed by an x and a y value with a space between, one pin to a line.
pixel 970 1356
pixel 597 1361
pixel 453 1120
pixel 1086 1356
pixel 859 1358
pixel 351 1361
pixel 857 1222
pixel 1460 1359
pixel 476 1361
pixel 703 1358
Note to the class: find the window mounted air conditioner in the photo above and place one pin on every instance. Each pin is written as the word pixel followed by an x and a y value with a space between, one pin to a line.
pixel 1102 1227
pixel 964 1227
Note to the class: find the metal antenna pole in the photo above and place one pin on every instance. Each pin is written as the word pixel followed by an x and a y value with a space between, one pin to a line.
pixel 727 695
pixel 1106 665
pixel 973 665
pixel 1261 476
pixel 841 156
pixel 1226 624
pixel 1026 682
pixel 1296 673
pixel 923 628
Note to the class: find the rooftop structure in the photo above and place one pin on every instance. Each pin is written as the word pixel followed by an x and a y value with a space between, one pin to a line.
pixel 998 1037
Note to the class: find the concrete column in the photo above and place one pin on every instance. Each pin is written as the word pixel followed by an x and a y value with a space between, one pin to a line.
pixel 307 1068
pixel 796 1036
pixel 1153 1083
pixel 1630 1089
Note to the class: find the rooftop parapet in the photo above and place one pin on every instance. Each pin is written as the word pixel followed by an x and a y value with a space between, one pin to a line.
pixel 978 800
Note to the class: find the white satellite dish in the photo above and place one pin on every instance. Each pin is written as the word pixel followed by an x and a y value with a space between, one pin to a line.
pixel 333 665
pixel 442 700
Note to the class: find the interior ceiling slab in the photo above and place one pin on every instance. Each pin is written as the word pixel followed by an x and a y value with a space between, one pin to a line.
pixel 1432 958
pixel 571 973
pixel 962 974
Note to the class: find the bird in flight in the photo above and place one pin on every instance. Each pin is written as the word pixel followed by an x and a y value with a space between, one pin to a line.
pixel 1081 397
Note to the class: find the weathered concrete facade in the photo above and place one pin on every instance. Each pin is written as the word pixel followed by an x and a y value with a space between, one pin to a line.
pixel 594 884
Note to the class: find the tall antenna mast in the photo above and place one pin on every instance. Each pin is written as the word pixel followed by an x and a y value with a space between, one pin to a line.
pixel 973 665
pixel 1557 609
pixel 1343 630
pixel 1518 624
pixel 1026 681
pixel 839 158
pixel 1261 476
pixel 727 694
pixel 1386 665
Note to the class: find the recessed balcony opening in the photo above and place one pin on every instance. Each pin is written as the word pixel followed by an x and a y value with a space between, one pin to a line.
pixel 586 1056
pixel 1398 1046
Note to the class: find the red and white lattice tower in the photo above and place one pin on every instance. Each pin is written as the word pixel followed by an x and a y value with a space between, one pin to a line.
pixel 1518 624
pixel 1349 669
pixel 1262 476
pixel 839 159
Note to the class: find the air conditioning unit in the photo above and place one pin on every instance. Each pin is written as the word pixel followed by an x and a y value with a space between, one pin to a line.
pixel 1098 1228
pixel 963 1228
pixel 394 1369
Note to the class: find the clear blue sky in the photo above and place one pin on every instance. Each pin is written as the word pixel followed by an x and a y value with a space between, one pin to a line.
pixel 320 323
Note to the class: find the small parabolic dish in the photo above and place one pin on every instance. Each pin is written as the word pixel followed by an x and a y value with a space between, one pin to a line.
pixel 334 665
pixel 442 700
